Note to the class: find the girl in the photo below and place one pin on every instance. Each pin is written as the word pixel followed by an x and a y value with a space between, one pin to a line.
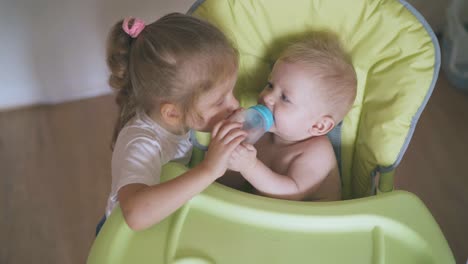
pixel 173 75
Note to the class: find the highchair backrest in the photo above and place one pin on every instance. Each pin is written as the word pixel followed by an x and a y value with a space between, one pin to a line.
pixel 395 54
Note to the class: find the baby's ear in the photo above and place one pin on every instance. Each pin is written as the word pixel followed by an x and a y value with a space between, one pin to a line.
pixel 171 114
pixel 322 127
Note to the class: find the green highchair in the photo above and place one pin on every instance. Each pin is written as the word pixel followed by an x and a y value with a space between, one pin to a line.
pixel 397 59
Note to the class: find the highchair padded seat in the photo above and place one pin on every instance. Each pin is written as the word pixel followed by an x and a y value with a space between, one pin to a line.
pixel 397 59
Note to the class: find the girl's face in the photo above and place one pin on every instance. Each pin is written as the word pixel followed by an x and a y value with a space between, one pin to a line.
pixel 215 105
pixel 291 95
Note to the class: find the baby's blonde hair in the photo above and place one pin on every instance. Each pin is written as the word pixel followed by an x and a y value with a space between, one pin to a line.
pixel 323 54
pixel 174 60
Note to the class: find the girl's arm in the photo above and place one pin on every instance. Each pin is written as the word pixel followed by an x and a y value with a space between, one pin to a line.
pixel 144 206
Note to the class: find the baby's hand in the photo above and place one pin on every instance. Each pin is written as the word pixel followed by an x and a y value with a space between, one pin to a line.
pixel 243 158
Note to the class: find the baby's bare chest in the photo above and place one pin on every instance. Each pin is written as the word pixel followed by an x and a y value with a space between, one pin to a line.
pixel 277 159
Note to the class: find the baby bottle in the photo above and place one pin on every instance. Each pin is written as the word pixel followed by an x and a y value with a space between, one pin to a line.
pixel 256 121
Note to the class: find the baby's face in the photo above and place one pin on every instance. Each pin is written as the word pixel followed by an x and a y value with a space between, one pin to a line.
pixel 291 94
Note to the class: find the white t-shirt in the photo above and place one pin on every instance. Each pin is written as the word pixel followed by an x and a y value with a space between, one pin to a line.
pixel 141 149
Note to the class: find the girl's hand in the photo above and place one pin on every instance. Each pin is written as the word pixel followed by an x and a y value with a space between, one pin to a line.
pixel 225 137
pixel 243 158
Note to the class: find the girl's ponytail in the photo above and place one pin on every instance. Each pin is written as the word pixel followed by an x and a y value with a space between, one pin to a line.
pixel 118 58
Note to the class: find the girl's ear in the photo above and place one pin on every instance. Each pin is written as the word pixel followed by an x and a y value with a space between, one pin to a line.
pixel 171 114
pixel 322 127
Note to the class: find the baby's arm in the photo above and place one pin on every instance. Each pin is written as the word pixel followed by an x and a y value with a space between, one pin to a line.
pixel 143 206
pixel 266 181
pixel 304 175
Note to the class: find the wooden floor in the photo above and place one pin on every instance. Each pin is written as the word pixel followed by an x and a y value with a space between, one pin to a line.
pixel 435 166
pixel 55 175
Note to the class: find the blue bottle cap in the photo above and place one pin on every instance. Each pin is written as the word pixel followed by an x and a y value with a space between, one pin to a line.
pixel 266 114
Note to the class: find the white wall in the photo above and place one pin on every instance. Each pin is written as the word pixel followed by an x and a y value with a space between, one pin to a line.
pixel 18 80
pixel 53 50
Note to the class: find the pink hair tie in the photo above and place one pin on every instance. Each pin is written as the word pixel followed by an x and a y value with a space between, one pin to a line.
pixel 137 27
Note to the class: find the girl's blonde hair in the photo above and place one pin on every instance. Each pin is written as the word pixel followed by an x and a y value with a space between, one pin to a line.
pixel 172 60
pixel 323 54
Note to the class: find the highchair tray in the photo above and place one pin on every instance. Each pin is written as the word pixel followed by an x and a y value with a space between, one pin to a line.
pixel 223 225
